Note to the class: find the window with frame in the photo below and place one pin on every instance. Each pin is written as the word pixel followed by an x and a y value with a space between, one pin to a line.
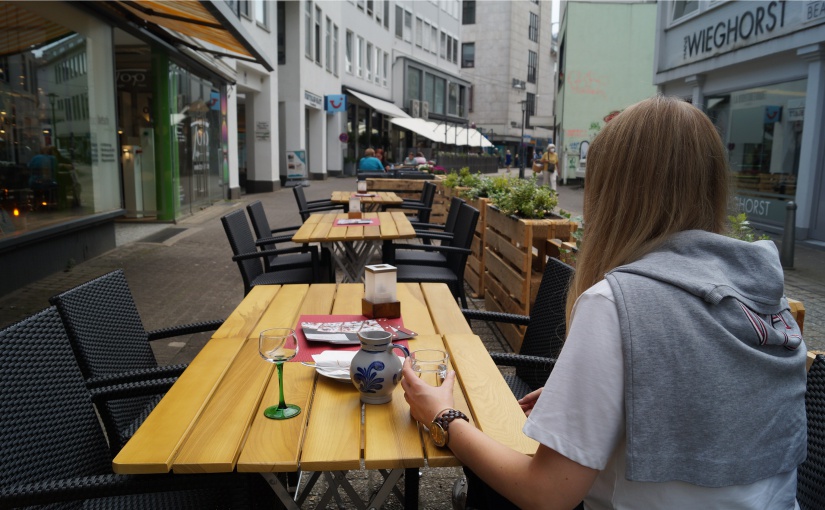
pixel 369 61
pixel 407 26
pixel 243 8
pixel 386 68
pixel 370 7
pixel 682 8
pixel 360 4
pixel 468 12
pixel 348 51
pixel 470 98
pixel 281 28
pixel 413 83
pixel 455 51
pixel 533 31
pixel 261 13
pixel 443 50
pixel 532 63
pixel 434 40
pixel 335 49
pixel 419 31
pixel 317 36
pixel 387 14
pixel 399 22
pixel 452 98
pixel 425 42
pixel 531 108
pixel 359 50
pixel 308 29
pixel 468 55
pixel 328 45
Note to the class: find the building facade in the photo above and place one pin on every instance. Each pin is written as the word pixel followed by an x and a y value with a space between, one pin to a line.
pixel 598 76
pixel 507 55
pixel 758 70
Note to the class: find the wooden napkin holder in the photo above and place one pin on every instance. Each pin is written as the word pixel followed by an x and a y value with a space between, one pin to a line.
pixel 391 310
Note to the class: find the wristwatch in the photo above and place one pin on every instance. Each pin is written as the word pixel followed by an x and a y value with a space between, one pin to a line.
pixel 441 423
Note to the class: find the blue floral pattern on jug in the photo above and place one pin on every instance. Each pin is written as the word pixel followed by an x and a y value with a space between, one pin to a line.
pixel 367 380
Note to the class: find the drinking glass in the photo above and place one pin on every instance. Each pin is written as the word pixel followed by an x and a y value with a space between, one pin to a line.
pixel 278 345
pixel 430 364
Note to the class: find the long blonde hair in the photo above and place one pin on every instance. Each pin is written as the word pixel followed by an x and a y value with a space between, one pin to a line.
pixel 657 168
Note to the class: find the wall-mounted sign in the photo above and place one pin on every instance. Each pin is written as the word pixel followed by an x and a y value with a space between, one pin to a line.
pixel 262 131
pixel 296 165
pixel 796 110
pixel 343 138
pixel 335 103
pixel 313 100
pixel 773 114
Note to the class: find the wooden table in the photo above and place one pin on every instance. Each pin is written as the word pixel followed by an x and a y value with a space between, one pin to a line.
pixel 212 419
pixel 368 203
pixel 353 246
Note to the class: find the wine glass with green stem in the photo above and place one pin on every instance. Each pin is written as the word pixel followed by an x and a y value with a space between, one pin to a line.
pixel 278 345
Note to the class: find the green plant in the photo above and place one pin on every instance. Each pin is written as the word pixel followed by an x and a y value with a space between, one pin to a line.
pixel 739 228
pixel 525 198
pixel 488 186
pixel 463 179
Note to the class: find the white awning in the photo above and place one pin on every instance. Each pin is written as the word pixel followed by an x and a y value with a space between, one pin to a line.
pixel 420 126
pixel 382 106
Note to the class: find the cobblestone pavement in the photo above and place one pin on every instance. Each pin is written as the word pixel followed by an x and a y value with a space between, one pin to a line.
pixel 190 277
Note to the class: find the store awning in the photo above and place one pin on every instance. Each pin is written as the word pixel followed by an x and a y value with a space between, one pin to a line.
pixel 382 106
pixel 210 23
pixel 419 126
pixel 24 30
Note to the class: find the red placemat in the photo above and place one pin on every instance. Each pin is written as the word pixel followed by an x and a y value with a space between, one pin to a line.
pixel 306 348
pixel 372 222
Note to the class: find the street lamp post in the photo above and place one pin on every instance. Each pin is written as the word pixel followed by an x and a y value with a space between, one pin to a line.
pixel 523 122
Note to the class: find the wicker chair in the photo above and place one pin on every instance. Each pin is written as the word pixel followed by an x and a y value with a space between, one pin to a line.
pixel 423 206
pixel 54 450
pixel 292 268
pixel 266 241
pixel 452 271
pixel 307 207
pixel 427 232
pixel 810 476
pixel 112 347
pixel 546 330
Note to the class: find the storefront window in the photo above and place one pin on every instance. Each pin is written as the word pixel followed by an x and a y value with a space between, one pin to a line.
pixel 54 167
pixel 762 128
pixel 413 83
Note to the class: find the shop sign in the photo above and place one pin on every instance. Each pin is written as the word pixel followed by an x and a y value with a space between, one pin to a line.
pixel 262 131
pixel 314 100
pixel 773 114
pixel 132 79
pixel 761 208
pixel 735 25
pixel 296 164
pixel 796 110
pixel 336 103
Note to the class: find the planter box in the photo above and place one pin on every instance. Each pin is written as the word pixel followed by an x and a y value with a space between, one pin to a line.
pixel 514 260
pixel 563 250
pixel 474 271
pixel 411 188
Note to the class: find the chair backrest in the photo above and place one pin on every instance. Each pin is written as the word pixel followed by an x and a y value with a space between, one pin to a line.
pixel 104 326
pixel 465 226
pixel 427 197
pixel 810 476
pixel 240 239
pixel 301 199
pixel 260 223
pixel 548 323
pixel 48 426
pixel 452 217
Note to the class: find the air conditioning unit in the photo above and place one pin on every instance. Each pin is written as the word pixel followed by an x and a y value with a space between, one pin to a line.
pixel 415 108
pixel 425 109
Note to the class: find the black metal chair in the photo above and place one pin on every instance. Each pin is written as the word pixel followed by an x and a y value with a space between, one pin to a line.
pixel 427 232
pixel 266 241
pixel 292 269
pixel 452 271
pixel 810 476
pixel 112 347
pixel 53 448
pixel 307 207
pixel 545 334
pixel 423 207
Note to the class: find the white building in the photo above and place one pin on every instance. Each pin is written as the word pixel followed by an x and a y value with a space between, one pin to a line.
pixel 507 55
pixel 758 70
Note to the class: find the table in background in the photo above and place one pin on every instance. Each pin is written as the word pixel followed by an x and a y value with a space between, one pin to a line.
pixel 353 246
pixel 372 203
pixel 212 419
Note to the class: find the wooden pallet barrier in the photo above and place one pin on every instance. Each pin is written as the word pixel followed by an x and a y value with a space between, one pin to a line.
pixel 411 188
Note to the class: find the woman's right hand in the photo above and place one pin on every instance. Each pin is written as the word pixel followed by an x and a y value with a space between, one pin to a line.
pixel 529 400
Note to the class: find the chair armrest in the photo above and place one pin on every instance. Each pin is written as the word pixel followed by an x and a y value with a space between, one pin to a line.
pixel 416 207
pixel 284 229
pixel 482 315
pixel 132 389
pixel 430 247
pixel 185 329
pixel 100 486
pixel 274 240
pixel 319 201
pixel 423 234
pixel 131 376
pixel 267 253
pixel 522 360
pixel 418 225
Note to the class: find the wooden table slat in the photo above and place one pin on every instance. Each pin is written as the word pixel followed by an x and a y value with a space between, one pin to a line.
pixel 446 315
pixel 414 310
pixel 494 408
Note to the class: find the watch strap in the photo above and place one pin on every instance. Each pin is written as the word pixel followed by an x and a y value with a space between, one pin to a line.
pixel 445 417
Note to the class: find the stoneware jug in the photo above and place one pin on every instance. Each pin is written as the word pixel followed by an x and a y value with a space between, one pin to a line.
pixel 375 369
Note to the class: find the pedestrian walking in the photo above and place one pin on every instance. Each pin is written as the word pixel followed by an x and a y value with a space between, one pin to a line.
pixel 551 163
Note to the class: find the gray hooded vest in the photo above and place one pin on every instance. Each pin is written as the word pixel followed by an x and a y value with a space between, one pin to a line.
pixel 714 363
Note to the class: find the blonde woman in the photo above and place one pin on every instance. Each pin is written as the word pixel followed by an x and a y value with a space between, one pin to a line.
pixel 681 384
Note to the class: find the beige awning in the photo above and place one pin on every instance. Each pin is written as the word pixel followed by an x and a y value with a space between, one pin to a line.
pixel 420 126
pixel 207 21
pixel 382 106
